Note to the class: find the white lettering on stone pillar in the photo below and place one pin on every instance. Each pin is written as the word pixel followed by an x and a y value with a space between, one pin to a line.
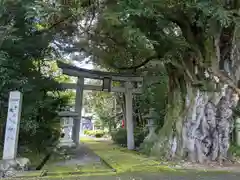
pixel 12 125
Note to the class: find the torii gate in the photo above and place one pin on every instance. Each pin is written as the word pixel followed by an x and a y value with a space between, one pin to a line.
pixel 107 78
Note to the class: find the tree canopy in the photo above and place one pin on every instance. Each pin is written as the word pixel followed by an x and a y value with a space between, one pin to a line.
pixel 180 47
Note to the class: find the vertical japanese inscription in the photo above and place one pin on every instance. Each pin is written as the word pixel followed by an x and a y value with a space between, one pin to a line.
pixel 12 125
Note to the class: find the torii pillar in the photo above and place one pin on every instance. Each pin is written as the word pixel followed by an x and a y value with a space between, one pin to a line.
pixel 129 115
pixel 78 108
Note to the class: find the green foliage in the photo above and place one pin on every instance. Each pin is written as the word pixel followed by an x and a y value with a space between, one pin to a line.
pixel 120 136
pixel 95 133
pixel 235 150
pixel 155 92
pixel 27 64
pixel 102 105
pixel 139 135
pixel 126 36
pixel 85 131
pixel 99 135
pixel 177 33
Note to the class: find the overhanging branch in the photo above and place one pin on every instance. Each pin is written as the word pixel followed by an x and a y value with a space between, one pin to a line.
pixel 53 25
pixel 137 66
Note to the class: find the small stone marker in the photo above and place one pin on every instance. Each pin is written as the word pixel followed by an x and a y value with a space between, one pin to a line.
pixel 12 125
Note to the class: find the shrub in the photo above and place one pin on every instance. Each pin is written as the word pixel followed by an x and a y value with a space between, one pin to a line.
pixel 139 136
pixel 120 136
pixel 91 132
pixel 85 132
pixel 99 134
pixel 96 133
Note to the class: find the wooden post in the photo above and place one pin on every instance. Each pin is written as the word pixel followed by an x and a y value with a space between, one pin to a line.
pixel 78 109
pixel 129 115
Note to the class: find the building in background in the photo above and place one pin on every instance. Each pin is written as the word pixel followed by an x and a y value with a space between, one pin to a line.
pixel 86 121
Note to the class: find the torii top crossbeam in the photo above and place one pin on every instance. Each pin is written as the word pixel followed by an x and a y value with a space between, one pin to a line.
pixel 93 74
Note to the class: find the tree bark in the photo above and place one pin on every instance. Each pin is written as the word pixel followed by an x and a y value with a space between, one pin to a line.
pixel 202 132
pixel 201 127
pixel 206 130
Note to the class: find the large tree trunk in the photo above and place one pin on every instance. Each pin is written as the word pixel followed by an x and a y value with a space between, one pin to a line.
pixel 207 126
pixel 199 130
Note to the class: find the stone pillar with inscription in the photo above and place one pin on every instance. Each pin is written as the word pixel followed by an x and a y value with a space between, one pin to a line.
pixel 67 118
pixel 10 163
pixel 12 125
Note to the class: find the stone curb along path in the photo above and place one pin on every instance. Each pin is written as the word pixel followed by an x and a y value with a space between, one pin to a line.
pixel 122 160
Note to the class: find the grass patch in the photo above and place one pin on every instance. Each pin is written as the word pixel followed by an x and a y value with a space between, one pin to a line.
pixel 124 160
pixel 28 174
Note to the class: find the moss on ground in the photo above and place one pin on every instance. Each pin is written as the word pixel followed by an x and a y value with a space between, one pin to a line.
pixel 128 165
pixel 86 168
pixel 143 176
pixel 123 160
